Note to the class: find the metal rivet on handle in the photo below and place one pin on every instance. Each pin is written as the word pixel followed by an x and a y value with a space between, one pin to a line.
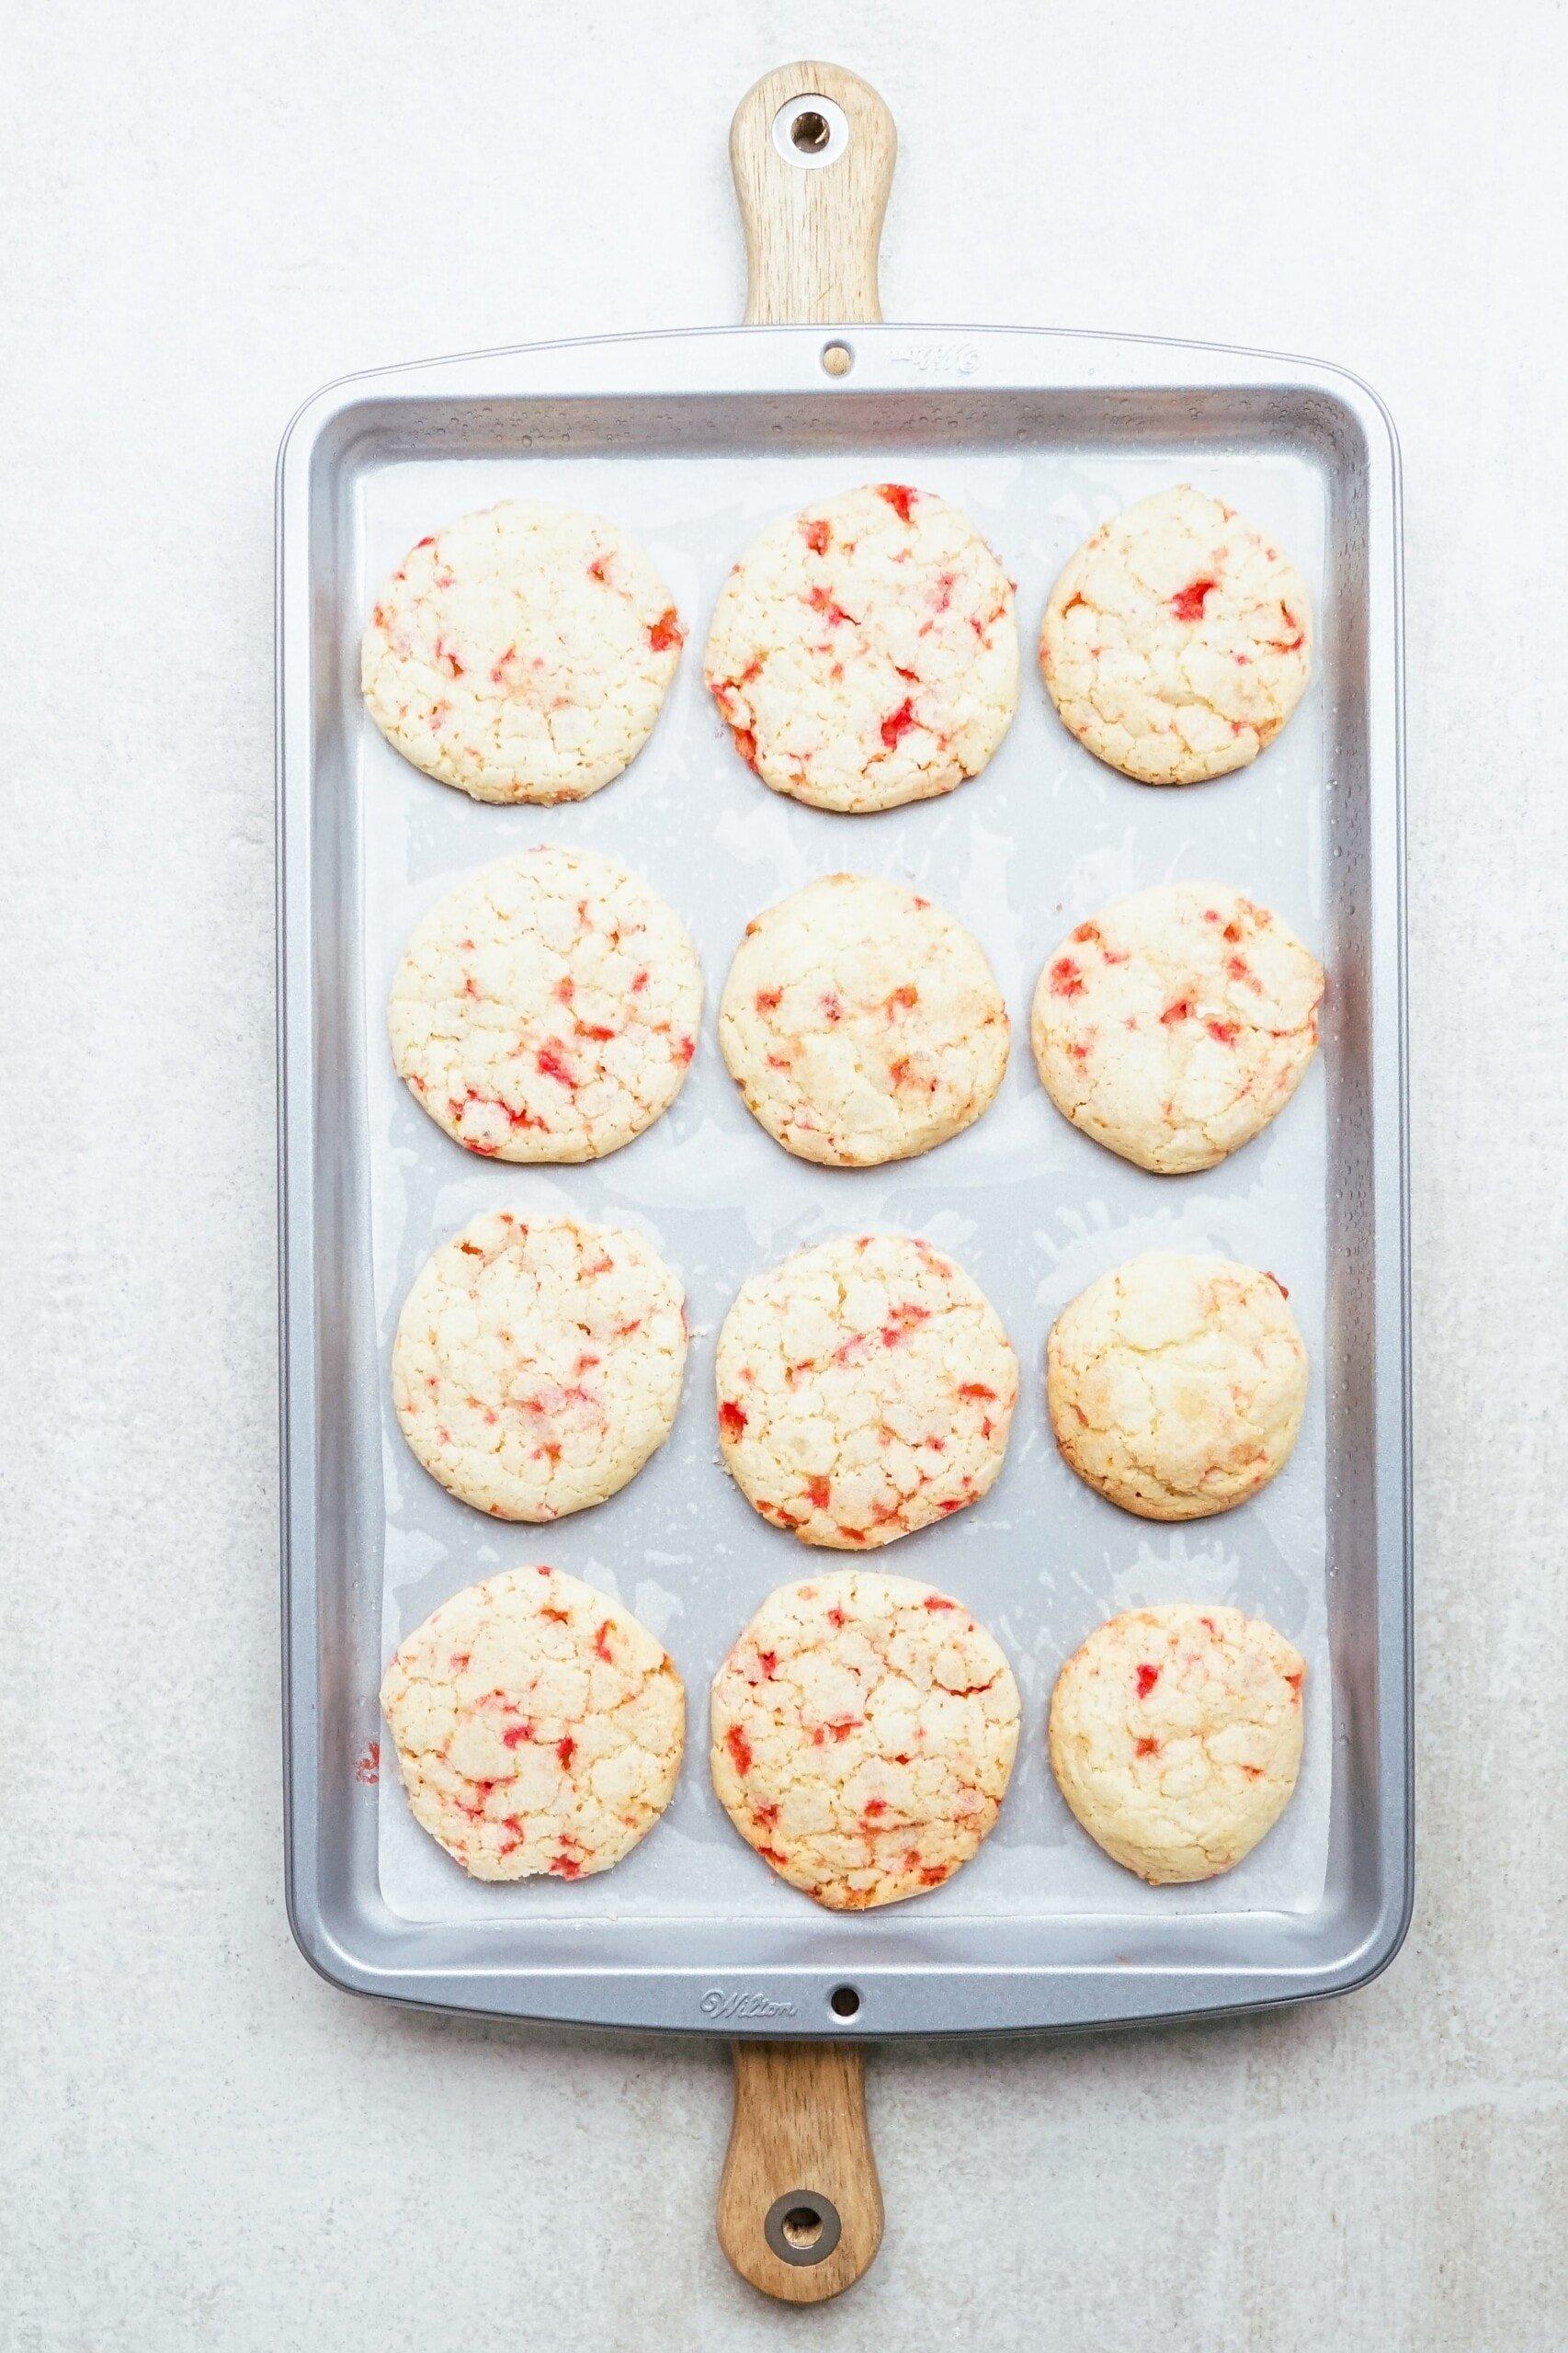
pixel 810 132
pixel 802 2227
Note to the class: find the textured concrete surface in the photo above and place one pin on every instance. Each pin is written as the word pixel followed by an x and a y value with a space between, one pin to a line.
pixel 204 212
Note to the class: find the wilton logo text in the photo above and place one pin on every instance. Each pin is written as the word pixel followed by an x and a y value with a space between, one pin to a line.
pixel 717 2003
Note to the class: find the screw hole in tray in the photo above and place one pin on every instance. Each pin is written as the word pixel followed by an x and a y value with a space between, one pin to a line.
pixel 838 358
pixel 843 2001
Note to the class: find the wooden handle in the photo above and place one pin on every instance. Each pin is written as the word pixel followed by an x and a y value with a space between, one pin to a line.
pixel 799 2205
pixel 812 184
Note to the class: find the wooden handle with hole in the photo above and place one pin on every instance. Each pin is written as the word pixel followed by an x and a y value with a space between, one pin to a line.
pixel 812 233
pixel 799 2145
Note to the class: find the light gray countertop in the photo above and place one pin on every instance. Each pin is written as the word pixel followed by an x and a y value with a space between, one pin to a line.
pixel 206 212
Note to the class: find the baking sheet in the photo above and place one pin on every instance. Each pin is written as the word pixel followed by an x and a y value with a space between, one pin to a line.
pixel 1033 1210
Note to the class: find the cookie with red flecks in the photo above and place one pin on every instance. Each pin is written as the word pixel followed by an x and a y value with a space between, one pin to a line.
pixel 1176 1385
pixel 547 1008
pixel 1174 1024
pixel 862 1733
pixel 538 1362
pixel 521 653
pixel 1176 1737
pixel 866 1388
pixel 1177 641
pixel 861 1023
pixel 865 653
pixel 538 1727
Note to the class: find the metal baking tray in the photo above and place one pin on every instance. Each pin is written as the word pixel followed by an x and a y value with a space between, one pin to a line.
pixel 693 440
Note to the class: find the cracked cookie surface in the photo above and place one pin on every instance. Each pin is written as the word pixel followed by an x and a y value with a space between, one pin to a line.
pixel 547 1008
pixel 861 1023
pixel 521 654
pixel 538 1727
pixel 1175 1023
pixel 1176 1737
pixel 537 1363
pixel 1175 1384
pixel 865 653
pixel 862 1733
pixel 864 1389
pixel 1177 641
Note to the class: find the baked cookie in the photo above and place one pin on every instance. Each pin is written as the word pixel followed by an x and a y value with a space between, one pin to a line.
pixel 1176 1385
pixel 862 1736
pixel 538 1362
pixel 1176 1024
pixel 1178 640
pixel 1175 1736
pixel 864 1389
pixel 538 1727
pixel 865 653
pixel 547 1008
pixel 862 1024
pixel 521 654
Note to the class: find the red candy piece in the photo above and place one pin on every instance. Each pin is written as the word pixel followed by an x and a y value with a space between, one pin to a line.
pixel 898 723
pixel 1188 602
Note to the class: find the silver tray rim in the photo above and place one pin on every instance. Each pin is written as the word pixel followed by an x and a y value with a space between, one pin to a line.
pixel 669 1992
